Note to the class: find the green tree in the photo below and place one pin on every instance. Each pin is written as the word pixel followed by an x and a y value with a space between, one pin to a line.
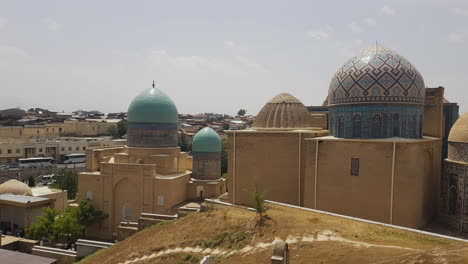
pixel 10 122
pixel 43 227
pixel 183 144
pixel 226 126
pixel 31 181
pixel 258 197
pixel 112 131
pixel 68 180
pixel 66 228
pixel 241 112
pixel 87 214
pixel 121 128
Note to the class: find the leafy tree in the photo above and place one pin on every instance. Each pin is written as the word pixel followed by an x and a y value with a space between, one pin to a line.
pixel 68 180
pixel 87 214
pixel 66 228
pixel 31 181
pixel 118 131
pixel 226 126
pixel 43 227
pixel 121 128
pixel 241 112
pixel 10 122
pixel 183 144
pixel 112 131
pixel 258 197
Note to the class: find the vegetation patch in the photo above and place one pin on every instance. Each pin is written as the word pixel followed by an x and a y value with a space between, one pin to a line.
pixel 394 236
pixel 65 227
pixel 228 239
pixel 189 258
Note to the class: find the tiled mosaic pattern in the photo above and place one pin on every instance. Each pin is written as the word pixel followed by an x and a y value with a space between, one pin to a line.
pixel 458 151
pixel 376 75
pixel 206 165
pixel 376 121
pixel 453 203
pixel 152 135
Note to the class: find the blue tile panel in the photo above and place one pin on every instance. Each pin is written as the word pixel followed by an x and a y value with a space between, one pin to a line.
pixel 152 135
pixel 376 121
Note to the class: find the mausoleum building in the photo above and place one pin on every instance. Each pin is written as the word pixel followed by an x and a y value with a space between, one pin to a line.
pixel 151 174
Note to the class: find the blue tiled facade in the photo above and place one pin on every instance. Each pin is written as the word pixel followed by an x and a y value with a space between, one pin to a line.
pixel 152 135
pixel 451 115
pixel 376 121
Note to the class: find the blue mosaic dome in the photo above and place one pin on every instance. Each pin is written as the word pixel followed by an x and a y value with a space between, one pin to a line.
pixel 377 75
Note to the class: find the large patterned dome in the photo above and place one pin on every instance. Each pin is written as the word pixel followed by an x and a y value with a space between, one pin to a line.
pixel 378 75
pixel 377 94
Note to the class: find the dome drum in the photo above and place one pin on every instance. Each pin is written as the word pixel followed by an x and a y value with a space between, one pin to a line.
pixel 152 135
pixel 206 165
pixel 375 122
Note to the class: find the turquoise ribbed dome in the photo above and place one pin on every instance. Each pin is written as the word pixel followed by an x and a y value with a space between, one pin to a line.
pixel 152 106
pixel 206 140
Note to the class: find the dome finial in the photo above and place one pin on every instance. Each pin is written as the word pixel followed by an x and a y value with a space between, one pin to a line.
pixel 153 84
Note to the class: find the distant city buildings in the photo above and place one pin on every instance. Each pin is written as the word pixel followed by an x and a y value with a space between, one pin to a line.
pixel 12 149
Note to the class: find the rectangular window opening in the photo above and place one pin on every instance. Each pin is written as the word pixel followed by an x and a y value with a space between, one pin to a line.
pixel 354 166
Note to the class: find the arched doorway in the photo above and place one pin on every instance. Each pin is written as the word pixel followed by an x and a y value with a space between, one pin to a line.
pixel 200 192
pixel 126 202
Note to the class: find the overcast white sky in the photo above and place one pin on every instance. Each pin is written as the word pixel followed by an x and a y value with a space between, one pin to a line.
pixel 215 56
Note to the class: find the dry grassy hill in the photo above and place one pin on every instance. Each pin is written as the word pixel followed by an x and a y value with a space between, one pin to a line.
pixel 232 236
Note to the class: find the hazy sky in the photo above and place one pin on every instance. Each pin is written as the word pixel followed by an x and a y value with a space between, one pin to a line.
pixel 215 56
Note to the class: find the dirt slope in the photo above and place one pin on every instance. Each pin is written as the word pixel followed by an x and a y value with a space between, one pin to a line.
pixel 232 235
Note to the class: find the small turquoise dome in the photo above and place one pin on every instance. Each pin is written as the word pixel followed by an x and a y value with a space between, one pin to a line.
pixel 206 140
pixel 152 106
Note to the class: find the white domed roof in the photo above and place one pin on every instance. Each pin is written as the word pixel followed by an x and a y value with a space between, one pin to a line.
pixel 15 187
